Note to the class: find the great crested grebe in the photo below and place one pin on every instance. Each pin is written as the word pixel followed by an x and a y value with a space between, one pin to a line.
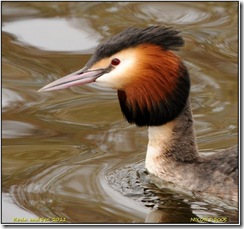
pixel 153 90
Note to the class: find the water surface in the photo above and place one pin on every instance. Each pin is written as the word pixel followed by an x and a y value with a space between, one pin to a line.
pixel 59 147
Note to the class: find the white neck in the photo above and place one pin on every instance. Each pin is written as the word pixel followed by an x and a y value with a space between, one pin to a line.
pixel 159 138
pixel 171 145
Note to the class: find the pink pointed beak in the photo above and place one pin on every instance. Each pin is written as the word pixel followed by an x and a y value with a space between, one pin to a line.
pixel 80 77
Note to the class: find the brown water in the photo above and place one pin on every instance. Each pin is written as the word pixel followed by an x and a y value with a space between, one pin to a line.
pixel 59 147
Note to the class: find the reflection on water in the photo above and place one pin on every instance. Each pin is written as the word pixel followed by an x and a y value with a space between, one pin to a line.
pixel 27 31
pixel 61 148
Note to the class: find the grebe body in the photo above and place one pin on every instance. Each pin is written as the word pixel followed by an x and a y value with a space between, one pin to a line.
pixel 153 87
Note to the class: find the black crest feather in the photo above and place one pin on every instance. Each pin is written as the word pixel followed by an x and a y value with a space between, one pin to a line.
pixel 165 37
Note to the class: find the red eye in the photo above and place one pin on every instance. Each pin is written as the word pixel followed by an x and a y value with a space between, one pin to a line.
pixel 115 61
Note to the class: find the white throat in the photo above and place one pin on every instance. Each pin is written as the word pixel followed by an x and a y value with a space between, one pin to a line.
pixel 160 138
pixel 171 145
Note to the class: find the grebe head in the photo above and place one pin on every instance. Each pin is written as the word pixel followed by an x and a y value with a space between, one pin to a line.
pixel 152 82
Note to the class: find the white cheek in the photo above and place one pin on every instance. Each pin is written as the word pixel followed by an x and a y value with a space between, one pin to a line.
pixel 118 77
pixel 106 81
